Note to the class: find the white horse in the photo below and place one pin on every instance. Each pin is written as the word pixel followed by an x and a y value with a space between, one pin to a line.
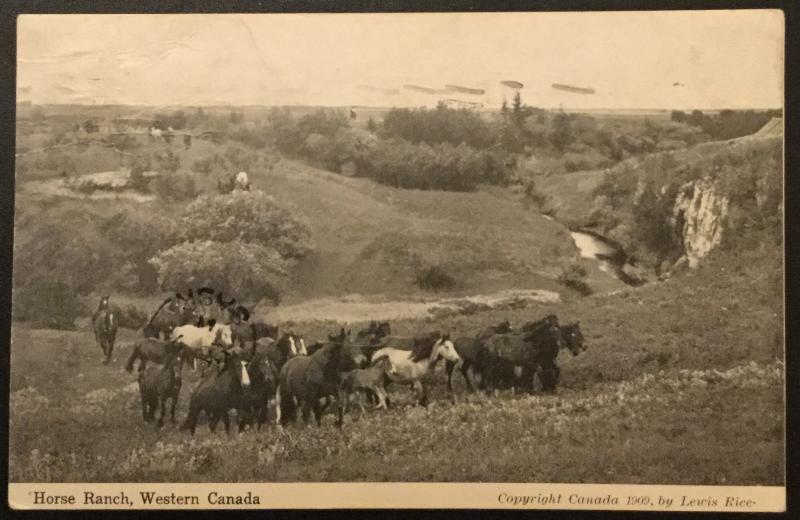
pixel 409 367
pixel 198 340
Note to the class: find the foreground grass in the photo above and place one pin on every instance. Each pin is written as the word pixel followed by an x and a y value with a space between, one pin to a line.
pixel 692 427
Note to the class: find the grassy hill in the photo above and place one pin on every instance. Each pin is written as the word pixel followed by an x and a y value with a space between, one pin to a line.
pixel 377 239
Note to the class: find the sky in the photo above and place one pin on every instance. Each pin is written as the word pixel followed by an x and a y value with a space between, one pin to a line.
pixel 644 60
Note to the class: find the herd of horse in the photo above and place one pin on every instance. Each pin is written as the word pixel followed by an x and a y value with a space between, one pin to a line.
pixel 249 366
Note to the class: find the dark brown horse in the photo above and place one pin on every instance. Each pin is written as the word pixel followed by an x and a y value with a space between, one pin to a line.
pixel 468 349
pixel 307 380
pixel 155 350
pixel 157 384
pixel 255 398
pixel 508 357
pixel 220 391
pixel 104 323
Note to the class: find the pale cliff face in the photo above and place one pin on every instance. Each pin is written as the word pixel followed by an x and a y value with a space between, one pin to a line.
pixel 701 211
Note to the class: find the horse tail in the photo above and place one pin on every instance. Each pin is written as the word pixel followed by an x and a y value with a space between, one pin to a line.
pixel 150 321
pixel 132 359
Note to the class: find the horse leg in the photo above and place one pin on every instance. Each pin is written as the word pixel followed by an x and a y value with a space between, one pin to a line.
pixel 162 411
pixel 144 405
pixel 448 368
pixel 278 406
pixel 306 410
pixel 421 393
pixel 465 372
pixel 342 403
pixel 212 423
pixel 226 420
pixel 317 408
pixel 172 407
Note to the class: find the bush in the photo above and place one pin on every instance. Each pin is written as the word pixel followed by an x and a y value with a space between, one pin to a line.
pixel 574 277
pixel 176 187
pixel 435 278
pixel 251 217
pixel 131 316
pixel 250 271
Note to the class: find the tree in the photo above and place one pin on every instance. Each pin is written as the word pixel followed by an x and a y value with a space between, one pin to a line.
pixel 138 236
pixel 63 260
pixel 561 134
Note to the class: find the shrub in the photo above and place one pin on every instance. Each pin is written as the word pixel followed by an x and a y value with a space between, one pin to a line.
pixel 435 278
pixel 574 277
pixel 251 271
pixel 131 316
pixel 252 217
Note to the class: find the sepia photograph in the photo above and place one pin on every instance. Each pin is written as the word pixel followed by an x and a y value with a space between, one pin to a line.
pixel 488 260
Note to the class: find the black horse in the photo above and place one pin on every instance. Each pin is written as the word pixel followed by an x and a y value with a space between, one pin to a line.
pixel 374 332
pixel 307 380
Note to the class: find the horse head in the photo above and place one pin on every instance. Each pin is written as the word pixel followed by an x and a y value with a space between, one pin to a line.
pixel 444 348
pixel 223 335
pixel 384 329
pixel 103 304
pixel 573 338
pixel 234 359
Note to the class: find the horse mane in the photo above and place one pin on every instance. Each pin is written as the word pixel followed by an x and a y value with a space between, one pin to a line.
pixel 423 346
pixel 150 321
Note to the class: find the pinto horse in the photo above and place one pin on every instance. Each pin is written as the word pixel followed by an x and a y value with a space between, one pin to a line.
pixel 104 323
pixel 409 366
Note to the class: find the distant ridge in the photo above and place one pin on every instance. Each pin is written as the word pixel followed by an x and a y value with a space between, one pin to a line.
pixel 774 128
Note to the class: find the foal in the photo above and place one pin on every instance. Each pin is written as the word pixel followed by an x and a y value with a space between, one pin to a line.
pixel 156 385
pixel 366 381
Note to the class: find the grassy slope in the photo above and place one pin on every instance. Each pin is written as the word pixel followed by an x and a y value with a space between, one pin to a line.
pixel 570 195
pixel 372 238
pixel 681 383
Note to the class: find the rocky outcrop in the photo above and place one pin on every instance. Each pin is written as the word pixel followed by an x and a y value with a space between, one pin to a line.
pixel 699 215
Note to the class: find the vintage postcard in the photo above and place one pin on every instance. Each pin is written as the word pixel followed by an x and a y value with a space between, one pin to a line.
pixel 428 260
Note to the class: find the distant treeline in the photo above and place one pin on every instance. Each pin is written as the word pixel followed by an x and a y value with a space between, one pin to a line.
pixel 727 124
